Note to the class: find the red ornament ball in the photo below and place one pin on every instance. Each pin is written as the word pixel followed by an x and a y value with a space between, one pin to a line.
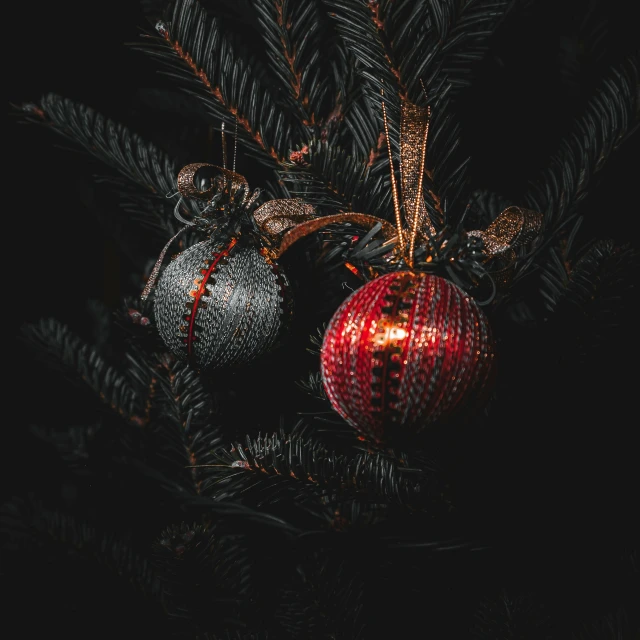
pixel 405 350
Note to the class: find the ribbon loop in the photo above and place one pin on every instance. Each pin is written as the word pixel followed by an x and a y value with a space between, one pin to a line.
pixel 513 228
pixel 304 229
pixel 276 216
pixel 189 189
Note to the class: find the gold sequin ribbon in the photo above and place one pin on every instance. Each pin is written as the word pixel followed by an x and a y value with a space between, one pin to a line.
pixel 276 216
pixel 188 189
pixel 361 219
pixel 414 127
pixel 513 228
pixel 273 217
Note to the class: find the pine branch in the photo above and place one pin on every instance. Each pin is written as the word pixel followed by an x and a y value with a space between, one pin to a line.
pixel 30 525
pixel 408 47
pixel 113 144
pixel 614 626
pixel 62 350
pixel 231 86
pixel 463 29
pixel 511 617
pixel 593 294
pixel 361 26
pixel 296 462
pixel 324 600
pixel 154 214
pixel 181 414
pixel 365 127
pixel 314 386
pixel 329 177
pixel 299 46
pixel 232 635
pixel 72 443
pixel 610 118
pixel 584 51
pixel 205 577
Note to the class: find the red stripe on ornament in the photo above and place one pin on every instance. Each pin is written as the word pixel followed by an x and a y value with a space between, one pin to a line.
pixel 198 293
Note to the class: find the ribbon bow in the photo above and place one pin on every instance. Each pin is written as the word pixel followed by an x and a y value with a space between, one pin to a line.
pixel 514 227
pixel 272 218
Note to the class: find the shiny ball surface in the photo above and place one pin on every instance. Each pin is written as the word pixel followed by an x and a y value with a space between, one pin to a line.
pixel 221 305
pixel 405 351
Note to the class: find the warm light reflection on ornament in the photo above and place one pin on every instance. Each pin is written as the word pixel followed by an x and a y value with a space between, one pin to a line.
pixel 415 348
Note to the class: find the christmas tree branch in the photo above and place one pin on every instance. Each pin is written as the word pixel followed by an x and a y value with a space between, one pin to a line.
pixel 464 29
pixel 294 33
pixel 230 85
pixel 29 524
pixel 181 417
pixel 205 576
pixel 593 291
pixel 328 177
pixel 323 600
pixel 297 458
pixel 113 144
pixel 495 617
pixel 61 349
pixel 361 26
pixel 610 118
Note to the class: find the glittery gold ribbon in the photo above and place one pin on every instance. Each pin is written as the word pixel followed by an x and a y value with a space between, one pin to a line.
pixel 414 128
pixel 276 216
pixel 188 189
pixel 513 228
pixel 304 229
pixel 272 218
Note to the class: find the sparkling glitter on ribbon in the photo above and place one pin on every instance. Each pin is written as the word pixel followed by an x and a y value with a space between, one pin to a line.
pixel 153 276
pixel 276 216
pixel 514 227
pixel 304 229
pixel 188 189
pixel 414 126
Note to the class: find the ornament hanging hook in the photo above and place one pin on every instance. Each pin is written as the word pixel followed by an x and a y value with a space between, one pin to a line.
pixel 235 145
pixel 224 146
pixel 176 213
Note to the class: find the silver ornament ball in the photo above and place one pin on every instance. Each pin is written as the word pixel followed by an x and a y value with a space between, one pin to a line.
pixel 221 305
